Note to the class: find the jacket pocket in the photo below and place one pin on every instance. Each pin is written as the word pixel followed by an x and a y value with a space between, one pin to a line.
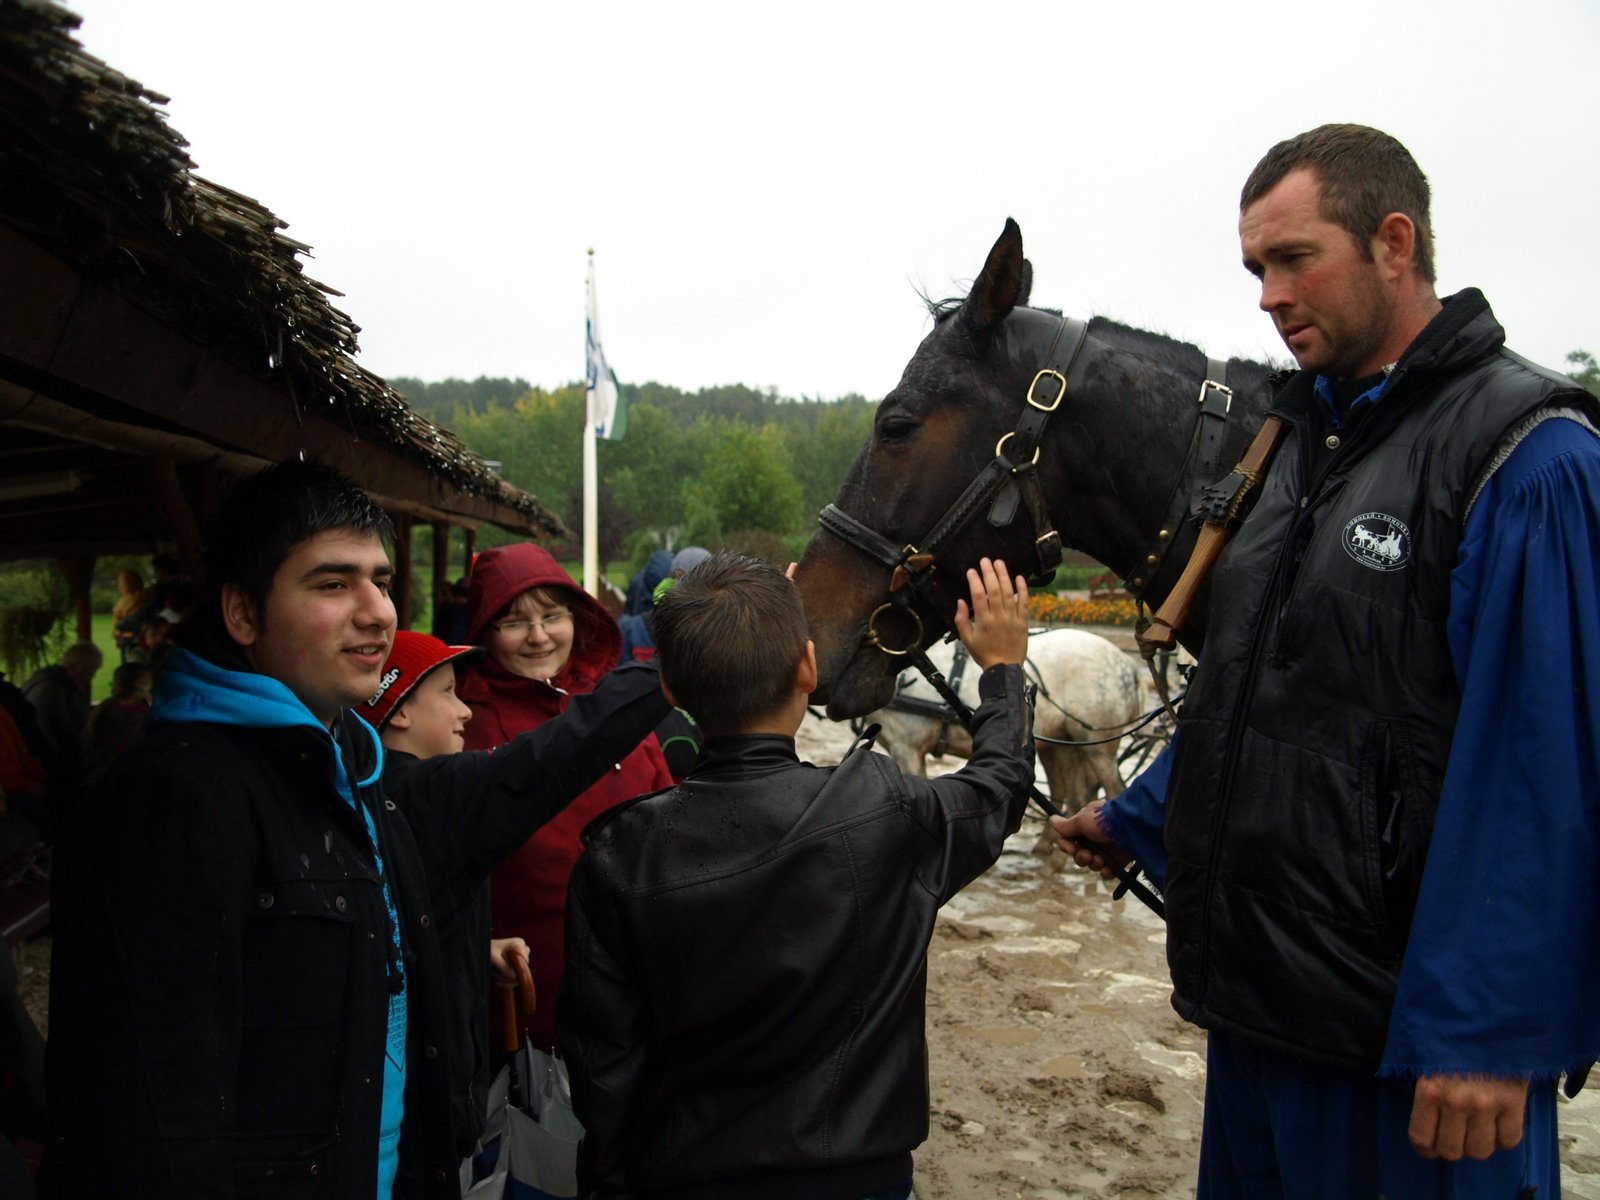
pixel 1394 829
pixel 282 1167
pixel 300 954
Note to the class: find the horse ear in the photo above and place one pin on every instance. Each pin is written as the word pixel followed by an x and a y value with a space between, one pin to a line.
pixel 1004 283
pixel 1026 289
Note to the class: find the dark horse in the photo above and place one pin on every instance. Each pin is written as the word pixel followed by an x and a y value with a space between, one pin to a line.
pixel 1117 470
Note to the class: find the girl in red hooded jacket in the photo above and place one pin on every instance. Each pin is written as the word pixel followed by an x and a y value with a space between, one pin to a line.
pixel 547 640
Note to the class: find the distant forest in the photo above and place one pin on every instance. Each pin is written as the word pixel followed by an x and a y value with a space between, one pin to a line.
pixel 723 466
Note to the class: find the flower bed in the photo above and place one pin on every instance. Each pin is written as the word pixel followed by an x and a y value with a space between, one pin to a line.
pixel 1066 610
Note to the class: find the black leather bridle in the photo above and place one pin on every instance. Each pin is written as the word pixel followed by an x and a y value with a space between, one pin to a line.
pixel 1009 479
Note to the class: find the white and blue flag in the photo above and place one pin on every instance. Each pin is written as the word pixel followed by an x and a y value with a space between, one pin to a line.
pixel 607 411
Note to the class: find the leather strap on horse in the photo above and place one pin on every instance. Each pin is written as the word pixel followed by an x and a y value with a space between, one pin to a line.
pixel 1219 506
pixel 1202 463
pixel 958 667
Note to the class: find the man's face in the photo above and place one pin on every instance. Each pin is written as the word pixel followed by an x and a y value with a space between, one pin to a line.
pixel 327 623
pixel 433 715
pixel 1327 300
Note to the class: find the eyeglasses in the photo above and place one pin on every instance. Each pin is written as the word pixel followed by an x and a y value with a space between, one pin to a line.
pixel 521 627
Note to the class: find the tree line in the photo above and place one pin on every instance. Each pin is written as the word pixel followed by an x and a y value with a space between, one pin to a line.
pixel 721 466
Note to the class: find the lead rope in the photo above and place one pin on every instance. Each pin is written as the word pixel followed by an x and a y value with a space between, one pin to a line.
pixel 1127 876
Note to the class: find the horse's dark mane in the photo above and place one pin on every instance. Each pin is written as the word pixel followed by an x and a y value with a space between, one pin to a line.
pixel 1157 347
pixel 1165 351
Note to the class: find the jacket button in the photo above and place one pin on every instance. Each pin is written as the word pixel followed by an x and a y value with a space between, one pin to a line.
pixel 389 804
pixel 340 903
pixel 427 921
pixel 430 1052
pixel 1333 441
pixel 314 1169
pixel 264 901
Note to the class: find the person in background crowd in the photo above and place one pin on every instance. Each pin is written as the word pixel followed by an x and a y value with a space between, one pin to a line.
pixel 60 696
pixel 678 734
pixel 117 722
pixel 1378 829
pixel 643 585
pixel 469 810
pixel 547 641
pixel 170 594
pixel 131 598
pixel 450 614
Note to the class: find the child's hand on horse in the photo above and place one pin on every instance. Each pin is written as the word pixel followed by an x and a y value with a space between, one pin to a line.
pixel 995 626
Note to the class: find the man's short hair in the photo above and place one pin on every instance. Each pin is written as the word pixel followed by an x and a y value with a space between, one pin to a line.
pixel 1363 175
pixel 267 515
pixel 729 638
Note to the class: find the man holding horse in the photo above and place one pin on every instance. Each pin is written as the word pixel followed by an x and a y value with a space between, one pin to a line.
pixel 1377 828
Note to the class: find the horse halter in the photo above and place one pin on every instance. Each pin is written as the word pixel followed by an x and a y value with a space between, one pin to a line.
pixel 1010 478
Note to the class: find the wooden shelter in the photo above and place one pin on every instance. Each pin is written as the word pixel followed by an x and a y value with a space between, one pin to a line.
pixel 158 336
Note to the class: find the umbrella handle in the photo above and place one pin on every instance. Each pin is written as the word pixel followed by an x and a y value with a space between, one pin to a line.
pixel 521 998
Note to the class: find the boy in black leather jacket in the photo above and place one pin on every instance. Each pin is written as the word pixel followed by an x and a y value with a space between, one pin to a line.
pixel 747 952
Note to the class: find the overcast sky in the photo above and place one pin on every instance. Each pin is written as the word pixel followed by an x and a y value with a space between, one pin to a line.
pixel 766 187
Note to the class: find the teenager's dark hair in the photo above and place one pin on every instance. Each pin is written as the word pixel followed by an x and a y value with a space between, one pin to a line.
pixel 729 637
pixel 267 515
pixel 1364 175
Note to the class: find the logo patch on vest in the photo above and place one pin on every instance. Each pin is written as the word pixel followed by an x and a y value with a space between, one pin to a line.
pixel 1379 541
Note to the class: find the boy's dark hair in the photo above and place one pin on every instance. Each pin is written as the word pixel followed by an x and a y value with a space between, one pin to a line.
pixel 729 638
pixel 267 515
pixel 1363 175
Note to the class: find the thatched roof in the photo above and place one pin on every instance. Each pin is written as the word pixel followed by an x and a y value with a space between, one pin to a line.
pixel 146 309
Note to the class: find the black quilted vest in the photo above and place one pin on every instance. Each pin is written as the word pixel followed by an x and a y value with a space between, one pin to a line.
pixel 1318 726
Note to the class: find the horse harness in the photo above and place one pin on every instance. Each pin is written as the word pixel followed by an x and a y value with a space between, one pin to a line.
pixel 1011 479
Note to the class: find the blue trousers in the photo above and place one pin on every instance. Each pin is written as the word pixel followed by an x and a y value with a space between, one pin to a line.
pixel 1277 1128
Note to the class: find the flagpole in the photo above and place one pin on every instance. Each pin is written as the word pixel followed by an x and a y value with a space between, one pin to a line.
pixel 591 487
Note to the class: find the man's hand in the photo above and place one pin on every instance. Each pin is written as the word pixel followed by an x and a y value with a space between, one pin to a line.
pixel 995 628
pixel 1083 839
pixel 1454 1115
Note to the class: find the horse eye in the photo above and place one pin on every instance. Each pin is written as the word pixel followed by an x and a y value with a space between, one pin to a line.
pixel 896 429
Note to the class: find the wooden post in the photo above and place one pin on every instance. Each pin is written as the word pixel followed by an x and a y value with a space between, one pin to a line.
pixel 175 509
pixel 441 566
pixel 402 568
pixel 79 572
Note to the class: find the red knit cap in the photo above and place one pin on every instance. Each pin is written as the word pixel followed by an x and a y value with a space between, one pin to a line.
pixel 412 657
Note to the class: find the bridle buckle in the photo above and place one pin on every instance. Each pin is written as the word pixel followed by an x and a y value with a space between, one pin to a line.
pixel 1061 390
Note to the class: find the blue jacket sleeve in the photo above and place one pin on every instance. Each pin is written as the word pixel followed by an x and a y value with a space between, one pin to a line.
pixel 1503 961
pixel 1134 821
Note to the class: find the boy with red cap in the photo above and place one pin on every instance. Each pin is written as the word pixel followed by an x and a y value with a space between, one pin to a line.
pixel 494 799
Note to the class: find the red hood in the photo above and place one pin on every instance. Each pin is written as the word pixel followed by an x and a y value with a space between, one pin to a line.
pixel 503 573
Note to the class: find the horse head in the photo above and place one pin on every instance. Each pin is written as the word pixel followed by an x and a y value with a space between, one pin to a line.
pixel 1107 467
